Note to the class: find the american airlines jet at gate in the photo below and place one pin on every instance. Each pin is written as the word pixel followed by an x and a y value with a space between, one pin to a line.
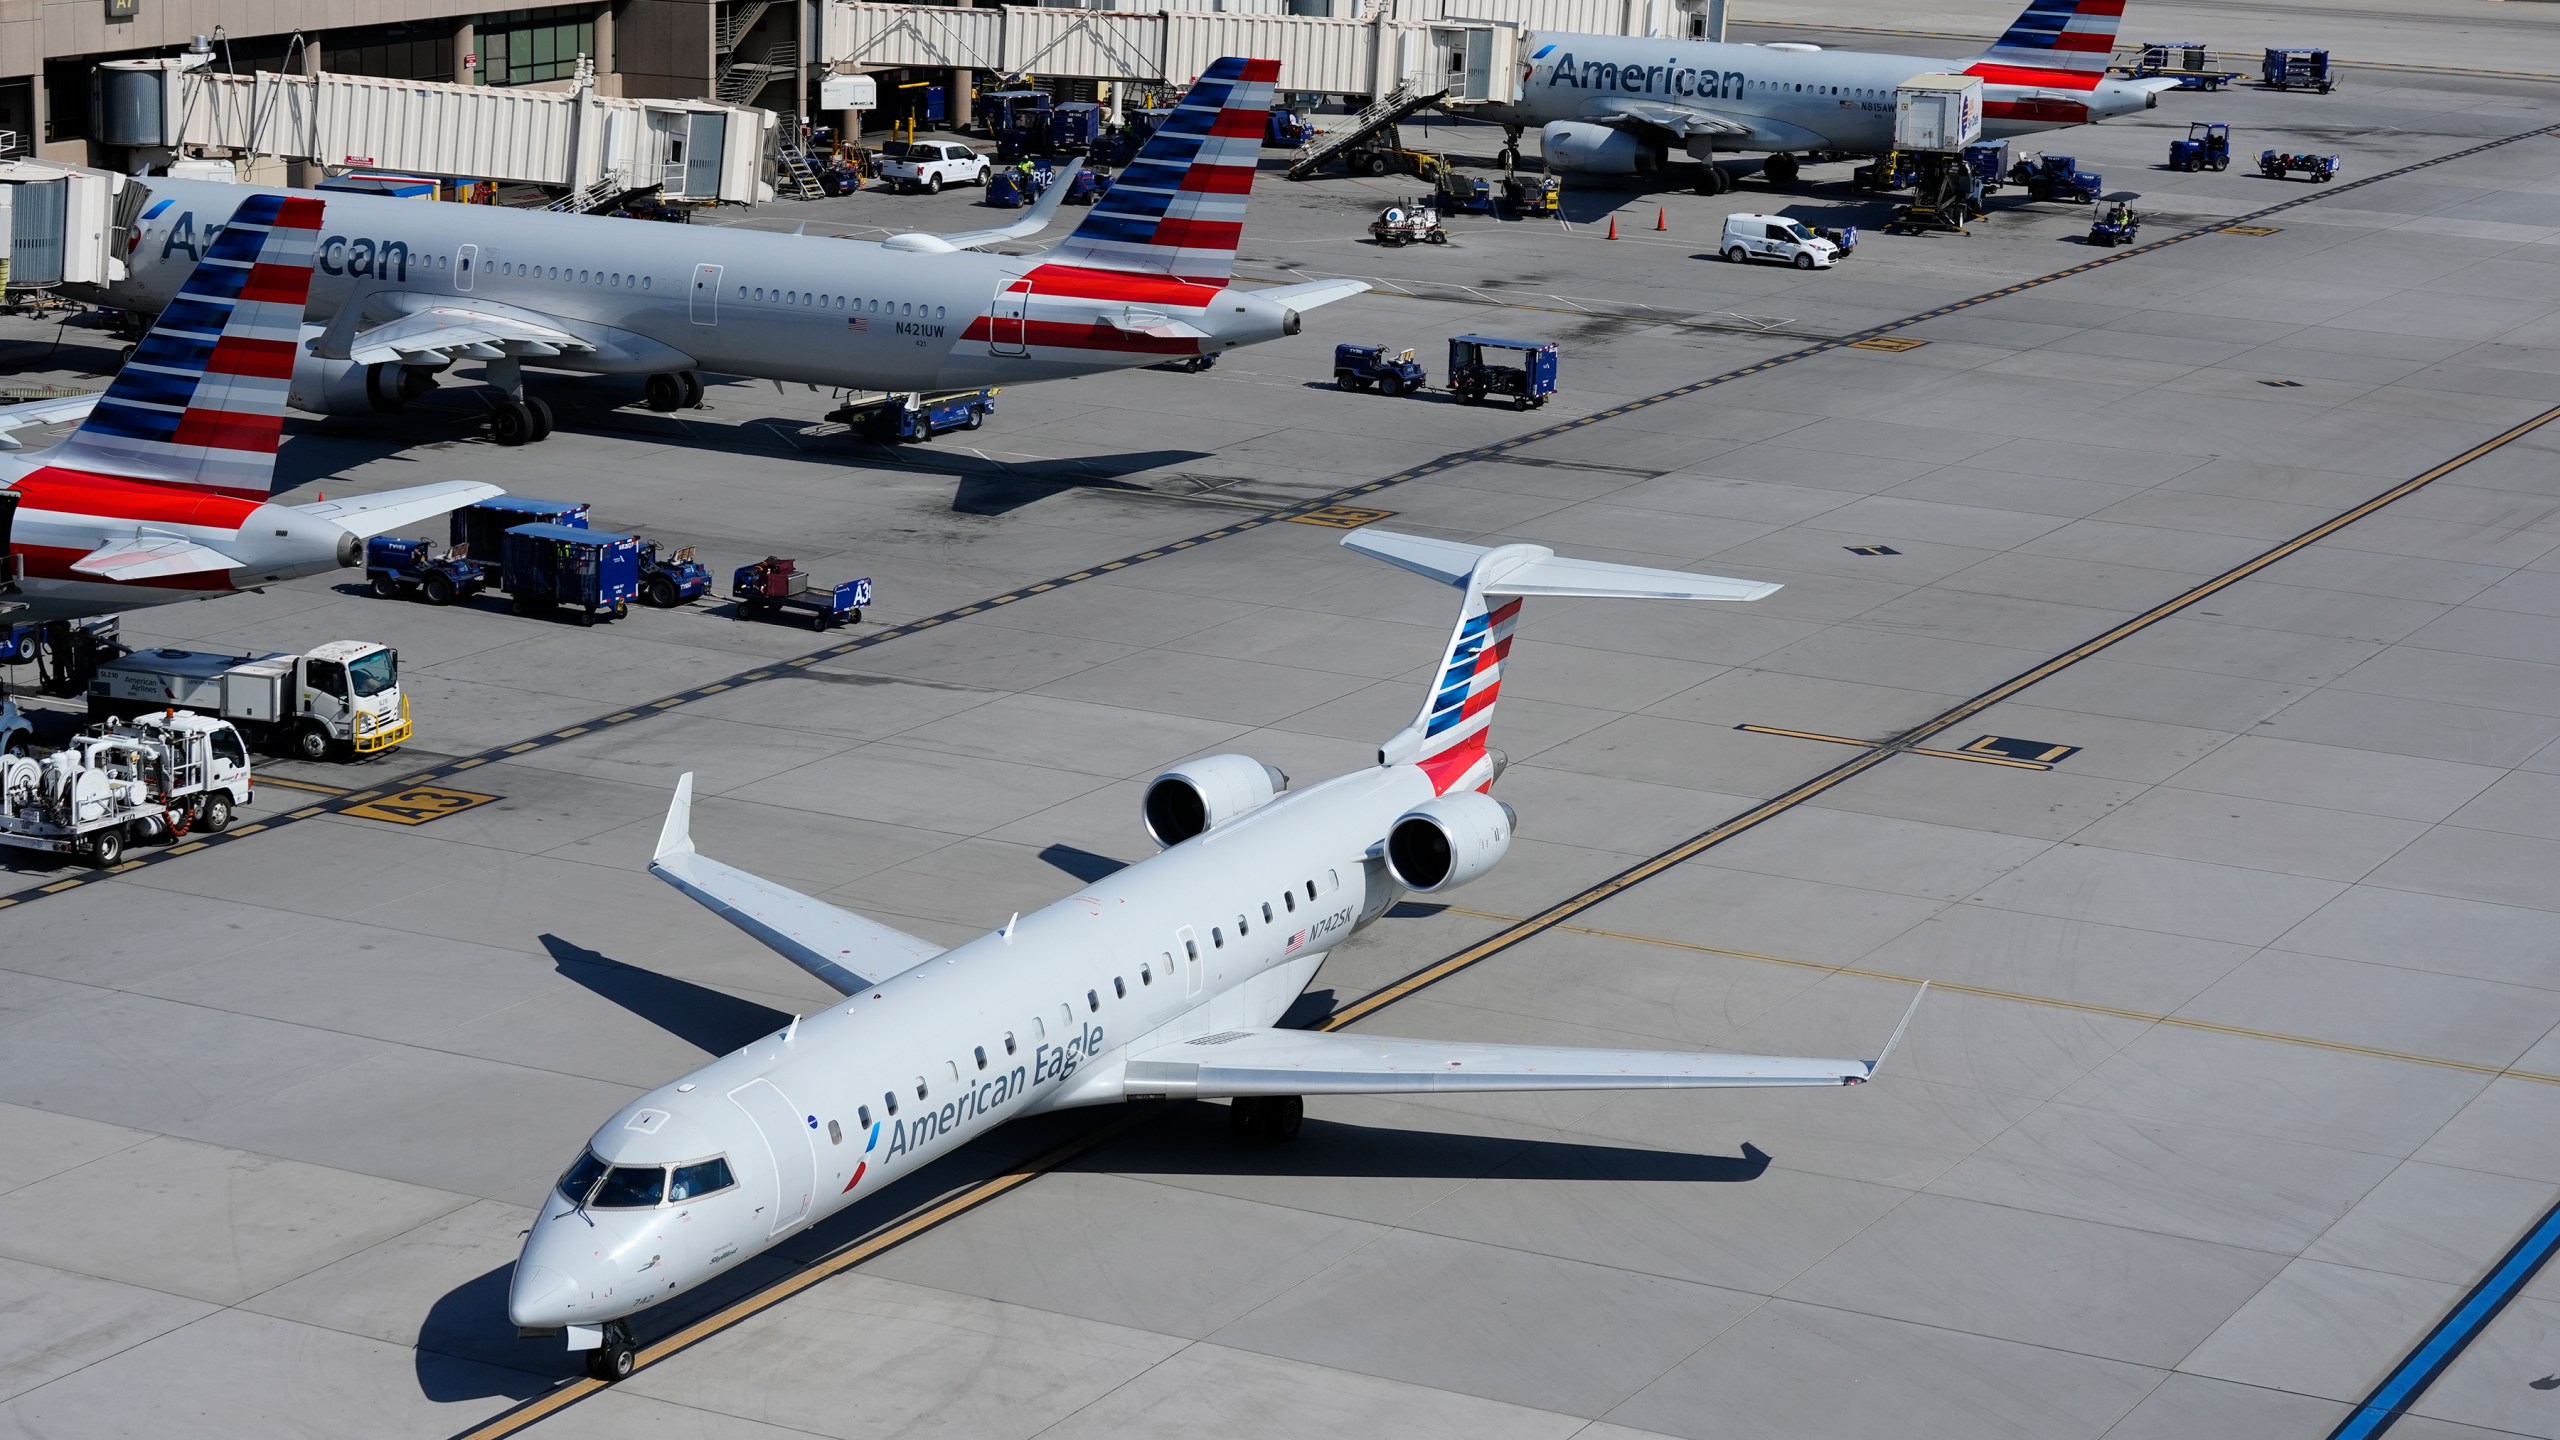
pixel 409 288
pixel 1164 979
pixel 1613 105
pixel 161 494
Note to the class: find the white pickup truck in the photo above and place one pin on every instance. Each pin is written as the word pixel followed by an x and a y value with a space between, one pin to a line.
pixel 928 165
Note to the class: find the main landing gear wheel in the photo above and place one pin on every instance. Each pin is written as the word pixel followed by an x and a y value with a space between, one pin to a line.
pixel 1781 169
pixel 664 393
pixel 511 423
pixel 541 417
pixel 692 390
pixel 617 1357
pixel 1270 1117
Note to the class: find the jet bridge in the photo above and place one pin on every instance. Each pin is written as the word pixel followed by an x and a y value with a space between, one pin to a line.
pixel 576 140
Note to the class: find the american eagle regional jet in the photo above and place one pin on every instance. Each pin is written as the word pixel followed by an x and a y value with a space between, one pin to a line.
pixel 1614 105
pixel 1164 979
pixel 408 289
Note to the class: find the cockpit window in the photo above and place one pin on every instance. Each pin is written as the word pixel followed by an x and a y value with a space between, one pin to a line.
pixel 582 1177
pixel 628 1187
pixel 697 1180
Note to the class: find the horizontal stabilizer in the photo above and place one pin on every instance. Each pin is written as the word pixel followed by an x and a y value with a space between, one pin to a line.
pixel 43 412
pixel 391 510
pixel 1161 326
pixel 151 557
pixel 1537 570
pixel 1310 294
pixel 841 948
pixel 1302 1062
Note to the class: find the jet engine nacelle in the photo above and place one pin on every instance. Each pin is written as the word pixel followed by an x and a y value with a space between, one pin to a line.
pixel 1204 794
pixel 1588 149
pixel 1442 844
pixel 345 387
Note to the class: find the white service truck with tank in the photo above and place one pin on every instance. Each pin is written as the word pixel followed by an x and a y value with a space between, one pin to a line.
pixel 149 777
pixel 343 698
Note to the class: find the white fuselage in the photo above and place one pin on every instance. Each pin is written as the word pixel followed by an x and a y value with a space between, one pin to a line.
pixel 1794 100
pixel 1220 932
pixel 656 298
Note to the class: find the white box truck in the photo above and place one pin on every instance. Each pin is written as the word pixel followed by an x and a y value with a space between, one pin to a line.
pixel 343 697
pixel 1937 114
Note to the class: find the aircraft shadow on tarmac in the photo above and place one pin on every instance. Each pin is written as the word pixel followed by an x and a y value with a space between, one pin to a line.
pixel 1082 864
pixel 467 1350
pixel 712 1021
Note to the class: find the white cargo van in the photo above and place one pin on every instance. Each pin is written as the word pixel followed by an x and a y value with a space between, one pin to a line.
pixel 1777 237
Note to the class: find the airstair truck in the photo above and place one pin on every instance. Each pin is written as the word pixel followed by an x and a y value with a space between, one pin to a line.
pixel 150 777
pixel 343 698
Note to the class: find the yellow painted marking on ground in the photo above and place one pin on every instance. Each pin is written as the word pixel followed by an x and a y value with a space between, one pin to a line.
pixel 311 785
pixel 58 886
pixel 715 687
pixel 2251 229
pixel 572 733
pixel 305 814
pixel 804 662
pixel 419 804
pixel 522 746
pixel 189 848
pixel 625 715
pixel 1916 750
pixel 248 829
pixel 360 796
pixel 667 704
pixel 5 903
pixel 473 761
pixel 1887 343
pixel 1341 517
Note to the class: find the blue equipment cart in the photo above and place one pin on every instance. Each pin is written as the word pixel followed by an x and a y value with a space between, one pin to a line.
pixel 1018 119
pixel 477 529
pixel 2277 165
pixel 1090 184
pixel 2207 147
pixel 415 567
pixel 591 571
pixel 889 419
pixel 669 580
pixel 1474 374
pixel 1989 162
pixel 774 585
pixel 1895 171
pixel 2297 69
pixel 1390 372
pixel 1285 130
pixel 2189 62
pixel 1074 127
pixel 1010 189
pixel 2058 177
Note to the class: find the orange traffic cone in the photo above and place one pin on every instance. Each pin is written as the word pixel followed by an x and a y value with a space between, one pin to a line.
pixel 1613 227
pixel 1662 217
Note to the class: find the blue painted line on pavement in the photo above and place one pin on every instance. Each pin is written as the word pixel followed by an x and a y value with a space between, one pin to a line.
pixel 2444 1344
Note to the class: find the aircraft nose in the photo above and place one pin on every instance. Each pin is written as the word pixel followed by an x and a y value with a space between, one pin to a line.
pixel 540 1298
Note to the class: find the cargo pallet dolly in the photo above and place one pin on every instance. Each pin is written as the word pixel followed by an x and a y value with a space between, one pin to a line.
pixel 889 419
pixel 777 584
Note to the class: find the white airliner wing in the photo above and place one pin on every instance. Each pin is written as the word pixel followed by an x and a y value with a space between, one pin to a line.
pixel 1680 122
pixel 1033 221
pixel 1301 1062
pixel 393 509
pixel 449 331
pixel 841 948
pixel 43 412
pixel 150 557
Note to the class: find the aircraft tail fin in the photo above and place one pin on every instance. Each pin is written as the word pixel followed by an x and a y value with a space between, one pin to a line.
pixel 2060 35
pixel 1448 738
pixel 1178 208
pixel 201 402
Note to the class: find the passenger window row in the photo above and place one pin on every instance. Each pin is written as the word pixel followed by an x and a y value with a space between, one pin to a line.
pixel 612 279
pixel 856 304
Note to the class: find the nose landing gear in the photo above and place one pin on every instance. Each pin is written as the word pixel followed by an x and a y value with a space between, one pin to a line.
pixel 617 1356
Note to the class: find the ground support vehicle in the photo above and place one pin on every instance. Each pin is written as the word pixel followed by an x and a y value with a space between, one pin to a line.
pixel 151 777
pixel 774 585
pixel 342 698
pixel 1461 195
pixel 1389 372
pixel 1776 237
pixel 1414 222
pixel 1136 128
pixel 928 165
pixel 2189 62
pixel 416 568
pixel 477 531
pixel 1090 184
pixel 2115 225
pixel 1285 130
pixel 593 572
pixel 1075 127
pixel 66 653
pixel 2276 165
pixel 1384 154
pixel 2207 147
pixel 1891 171
pixel 1529 195
pixel 2297 69
pixel 1474 374
pixel 17 732
pixel 671 579
pixel 888 419
pixel 1014 187
pixel 1989 162
pixel 2057 177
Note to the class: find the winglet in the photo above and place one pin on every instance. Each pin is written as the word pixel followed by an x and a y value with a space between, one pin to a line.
pixel 1896 1038
pixel 676 836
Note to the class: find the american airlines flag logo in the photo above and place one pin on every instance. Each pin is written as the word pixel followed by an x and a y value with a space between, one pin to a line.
pixel 1294 942
pixel 858 322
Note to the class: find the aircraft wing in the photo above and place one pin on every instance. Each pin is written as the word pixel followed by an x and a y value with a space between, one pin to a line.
pixel 391 510
pixel 841 948
pixel 1033 221
pixel 1303 1062
pixel 43 412
pixel 150 557
pixel 1678 122
pixel 459 331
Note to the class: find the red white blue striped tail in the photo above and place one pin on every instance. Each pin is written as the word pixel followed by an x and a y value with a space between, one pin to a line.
pixel 201 403
pixel 1178 209
pixel 2076 35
